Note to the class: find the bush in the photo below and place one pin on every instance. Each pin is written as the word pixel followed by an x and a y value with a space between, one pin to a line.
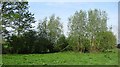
pixel 105 40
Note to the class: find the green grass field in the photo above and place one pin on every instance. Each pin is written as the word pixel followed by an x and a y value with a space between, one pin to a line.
pixel 62 58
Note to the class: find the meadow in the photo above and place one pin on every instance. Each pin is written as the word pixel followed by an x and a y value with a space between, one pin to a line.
pixel 62 58
pixel 83 37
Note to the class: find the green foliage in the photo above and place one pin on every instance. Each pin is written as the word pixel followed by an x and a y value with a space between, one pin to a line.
pixel 85 45
pixel 43 45
pixel 29 38
pixel 16 43
pixel 54 28
pixel 61 44
pixel 15 15
pixel 16 20
pixel 77 27
pixel 105 40
pixel 29 42
pixel 85 28
pixel 6 49
pixel 51 30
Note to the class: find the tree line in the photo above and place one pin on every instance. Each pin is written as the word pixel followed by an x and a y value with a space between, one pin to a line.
pixel 88 31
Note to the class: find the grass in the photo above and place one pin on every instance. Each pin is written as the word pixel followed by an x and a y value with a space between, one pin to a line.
pixel 62 58
pixel 0 59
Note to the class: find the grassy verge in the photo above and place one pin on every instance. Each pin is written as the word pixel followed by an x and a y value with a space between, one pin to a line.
pixel 62 58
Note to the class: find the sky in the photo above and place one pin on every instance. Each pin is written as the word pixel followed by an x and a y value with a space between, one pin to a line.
pixel 73 0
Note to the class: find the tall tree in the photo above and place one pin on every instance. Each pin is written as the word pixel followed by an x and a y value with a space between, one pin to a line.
pixel 0 19
pixel 51 30
pixel 87 28
pixel 97 22
pixel 42 28
pixel 16 18
pixel 54 28
pixel 43 43
pixel 77 26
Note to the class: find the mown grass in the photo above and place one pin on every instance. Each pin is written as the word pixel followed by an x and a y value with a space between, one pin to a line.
pixel 62 58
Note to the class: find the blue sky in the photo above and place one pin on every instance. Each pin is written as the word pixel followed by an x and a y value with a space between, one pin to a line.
pixel 66 9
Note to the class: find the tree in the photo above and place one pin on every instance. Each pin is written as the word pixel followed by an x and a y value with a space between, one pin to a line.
pixel 29 38
pixel 62 43
pixel 16 18
pixel 43 42
pixel 0 26
pixel 97 22
pixel 86 28
pixel 50 31
pixel 23 44
pixel 16 43
pixel 54 28
pixel 77 26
